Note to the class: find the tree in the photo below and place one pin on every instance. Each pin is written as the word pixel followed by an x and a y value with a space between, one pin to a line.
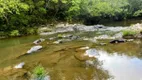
pixel 9 7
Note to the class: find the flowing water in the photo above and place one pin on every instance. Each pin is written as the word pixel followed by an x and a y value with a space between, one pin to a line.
pixel 89 57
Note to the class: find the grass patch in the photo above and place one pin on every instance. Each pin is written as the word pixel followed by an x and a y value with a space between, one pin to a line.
pixel 129 33
pixel 39 73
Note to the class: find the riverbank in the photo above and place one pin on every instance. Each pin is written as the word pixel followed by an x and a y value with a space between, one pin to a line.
pixel 49 27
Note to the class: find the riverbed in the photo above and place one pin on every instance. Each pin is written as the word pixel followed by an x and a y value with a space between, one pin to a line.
pixel 74 53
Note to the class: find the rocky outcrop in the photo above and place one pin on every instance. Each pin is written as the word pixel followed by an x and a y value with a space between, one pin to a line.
pixel 84 28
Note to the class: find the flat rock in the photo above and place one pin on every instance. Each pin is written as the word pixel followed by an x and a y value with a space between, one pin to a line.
pixel 84 48
pixel 38 41
pixel 19 66
pixel 34 49
pixel 117 41
pixel 58 42
pixel 104 37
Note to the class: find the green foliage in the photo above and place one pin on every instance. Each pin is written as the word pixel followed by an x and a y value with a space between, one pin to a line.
pixel 14 33
pixel 97 8
pixel 129 33
pixel 135 7
pixel 39 73
pixel 60 35
pixel 138 13
pixel 12 6
pixel 31 31
pixel 23 15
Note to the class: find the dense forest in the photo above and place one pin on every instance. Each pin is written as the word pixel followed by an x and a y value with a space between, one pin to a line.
pixel 19 17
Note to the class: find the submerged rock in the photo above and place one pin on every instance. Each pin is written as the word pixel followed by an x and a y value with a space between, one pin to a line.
pixel 137 42
pixel 19 66
pixel 47 77
pixel 38 41
pixel 61 41
pixel 138 36
pixel 58 42
pixel 84 48
pixel 92 63
pixel 11 73
pixel 102 44
pixel 90 39
pixel 129 40
pixel 117 41
pixel 104 37
pixel 91 53
pixel 129 37
pixel 80 56
pixel 34 49
pixel 74 37
pixel 42 78
pixel 65 36
pixel 68 36
pixel 52 38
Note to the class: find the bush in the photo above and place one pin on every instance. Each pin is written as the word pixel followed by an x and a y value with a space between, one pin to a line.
pixel 31 31
pixel 39 73
pixel 129 33
pixel 14 33
pixel 60 36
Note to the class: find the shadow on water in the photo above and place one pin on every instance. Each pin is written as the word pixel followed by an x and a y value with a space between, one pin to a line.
pixel 128 22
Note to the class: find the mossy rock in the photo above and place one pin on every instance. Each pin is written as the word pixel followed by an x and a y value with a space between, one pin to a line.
pixel 129 37
pixel 136 36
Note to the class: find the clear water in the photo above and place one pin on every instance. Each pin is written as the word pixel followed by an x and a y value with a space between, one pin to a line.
pixel 67 61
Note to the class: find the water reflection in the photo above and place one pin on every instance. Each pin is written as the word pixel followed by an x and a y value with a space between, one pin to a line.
pixel 121 67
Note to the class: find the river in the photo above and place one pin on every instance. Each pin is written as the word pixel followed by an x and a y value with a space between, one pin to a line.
pixel 87 57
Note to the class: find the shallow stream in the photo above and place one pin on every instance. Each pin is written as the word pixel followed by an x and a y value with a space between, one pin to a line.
pixel 90 56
